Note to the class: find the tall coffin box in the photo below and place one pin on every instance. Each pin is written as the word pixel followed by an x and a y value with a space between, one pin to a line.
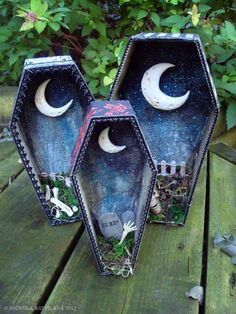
pixel 167 81
pixel 50 106
pixel 114 176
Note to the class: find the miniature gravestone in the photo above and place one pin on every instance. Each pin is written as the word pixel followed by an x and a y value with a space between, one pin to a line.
pixel 167 81
pixel 114 176
pixel 50 106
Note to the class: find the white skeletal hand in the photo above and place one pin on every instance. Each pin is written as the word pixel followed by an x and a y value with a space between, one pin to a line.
pixel 128 227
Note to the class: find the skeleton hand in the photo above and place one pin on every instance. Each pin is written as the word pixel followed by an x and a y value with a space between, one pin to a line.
pixel 128 227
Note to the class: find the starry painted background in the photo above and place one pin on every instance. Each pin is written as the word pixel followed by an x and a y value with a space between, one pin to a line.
pixel 111 182
pixel 51 140
pixel 171 135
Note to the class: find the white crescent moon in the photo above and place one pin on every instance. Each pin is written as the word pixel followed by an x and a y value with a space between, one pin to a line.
pixel 44 107
pixel 106 145
pixel 150 87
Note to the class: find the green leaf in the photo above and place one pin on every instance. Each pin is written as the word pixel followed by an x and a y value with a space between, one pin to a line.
pixel 38 7
pixel 90 54
pixel 101 68
pixel 230 87
pixel 21 13
pixel 133 12
pixel 61 9
pixel 58 17
pixel 231 115
pixel 4 46
pixel 93 83
pixel 121 50
pixel 64 25
pixel 107 80
pixel 175 29
pixel 141 14
pixel 104 91
pixel 26 26
pixel 123 1
pixel 225 55
pixel 89 69
pixel 230 30
pixel 14 75
pixel 225 78
pixel 40 26
pixel 13 58
pixel 231 65
pixel 155 18
pixel 35 5
pixel 101 28
pixel 203 8
pixel 195 15
pixel 177 20
pixel 44 8
pixel 93 43
pixel 55 26
pixel 112 73
pixel 217 12
pixel 86 30
pixel 221 54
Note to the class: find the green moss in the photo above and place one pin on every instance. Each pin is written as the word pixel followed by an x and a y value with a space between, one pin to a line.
pixel 154 218
pixel 115 256
pixel 112 251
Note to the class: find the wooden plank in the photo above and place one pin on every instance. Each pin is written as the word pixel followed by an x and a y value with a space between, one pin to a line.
pixel 220 293
pixel 221 125
pixel 169 264
pixel 226 152
pixel 9 163
pixel 32 252
pixel 6 148
pixel 7 96
pixel 227 138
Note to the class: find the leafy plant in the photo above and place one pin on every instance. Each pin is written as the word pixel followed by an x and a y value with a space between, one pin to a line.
pixel 38 17
pixel 95 34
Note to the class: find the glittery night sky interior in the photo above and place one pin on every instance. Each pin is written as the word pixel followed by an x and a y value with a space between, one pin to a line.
pixel 114 182
pixel 176 134
pixel 51 140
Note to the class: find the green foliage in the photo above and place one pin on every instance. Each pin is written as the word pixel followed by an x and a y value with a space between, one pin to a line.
pixel 112 251
pixel 38 17
pixel 95 34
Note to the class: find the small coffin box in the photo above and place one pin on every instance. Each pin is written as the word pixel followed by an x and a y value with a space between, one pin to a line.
pixel 114 177
pixel 50 106
pixel 166 79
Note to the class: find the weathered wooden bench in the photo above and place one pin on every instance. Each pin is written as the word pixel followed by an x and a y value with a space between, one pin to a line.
pixel 44 268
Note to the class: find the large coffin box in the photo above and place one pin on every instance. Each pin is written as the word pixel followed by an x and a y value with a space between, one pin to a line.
pixel 167 81
pixel 50 106
pixel 114 176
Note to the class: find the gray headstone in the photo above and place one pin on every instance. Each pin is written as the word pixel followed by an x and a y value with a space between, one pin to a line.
pixel 110 226
pixel 127 216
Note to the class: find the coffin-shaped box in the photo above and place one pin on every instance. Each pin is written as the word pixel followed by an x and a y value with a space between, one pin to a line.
pixel 167 81
pixel 50 106
pixel 114 176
